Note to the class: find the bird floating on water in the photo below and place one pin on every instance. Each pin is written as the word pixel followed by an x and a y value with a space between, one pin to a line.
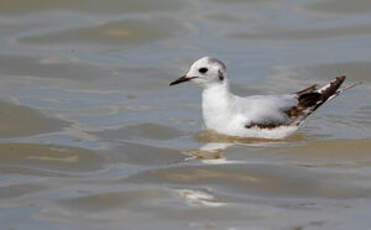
pixel 261 116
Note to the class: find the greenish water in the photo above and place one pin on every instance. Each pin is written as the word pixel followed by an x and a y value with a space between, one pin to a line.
pixel 92 137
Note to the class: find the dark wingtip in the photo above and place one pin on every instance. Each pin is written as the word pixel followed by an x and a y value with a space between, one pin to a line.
pixel 334 86
pixel 341 78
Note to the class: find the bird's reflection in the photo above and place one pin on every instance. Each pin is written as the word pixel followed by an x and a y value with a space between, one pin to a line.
pixel 216 144
pixel 209 151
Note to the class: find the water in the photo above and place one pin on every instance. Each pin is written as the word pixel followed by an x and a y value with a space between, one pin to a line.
pixel 92 137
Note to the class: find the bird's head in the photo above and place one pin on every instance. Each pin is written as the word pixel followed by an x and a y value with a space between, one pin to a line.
pixel 205 72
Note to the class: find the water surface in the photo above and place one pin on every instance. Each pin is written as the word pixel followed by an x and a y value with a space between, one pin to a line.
pixel 92 136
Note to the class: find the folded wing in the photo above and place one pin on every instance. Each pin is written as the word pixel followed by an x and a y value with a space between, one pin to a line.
pixel 307 101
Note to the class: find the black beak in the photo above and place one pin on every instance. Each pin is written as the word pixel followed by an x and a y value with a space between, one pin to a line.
pixel 182 79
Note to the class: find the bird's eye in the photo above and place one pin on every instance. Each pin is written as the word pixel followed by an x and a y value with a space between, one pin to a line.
pixel 203 70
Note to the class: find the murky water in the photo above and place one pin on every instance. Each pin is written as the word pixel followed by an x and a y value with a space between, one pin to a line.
pixel 92 137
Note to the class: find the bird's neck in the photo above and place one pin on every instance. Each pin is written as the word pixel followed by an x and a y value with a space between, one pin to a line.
pixel 215 102
pixel 216 91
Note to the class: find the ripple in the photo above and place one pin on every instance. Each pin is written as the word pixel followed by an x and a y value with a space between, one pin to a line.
pixel 285 34
pixel 140 154
pixel 145 130
pixel 127 33
pixel 94 6
pixel 50 67
pixel 48 157
pixel 259 180
pixel 17 190
pixel 20 121
pixel 341 6
pixel 336 153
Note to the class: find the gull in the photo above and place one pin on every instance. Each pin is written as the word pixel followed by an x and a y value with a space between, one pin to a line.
pixel 260 116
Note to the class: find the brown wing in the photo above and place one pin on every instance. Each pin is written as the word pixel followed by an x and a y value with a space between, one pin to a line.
pixel 310 89
pixel 309 99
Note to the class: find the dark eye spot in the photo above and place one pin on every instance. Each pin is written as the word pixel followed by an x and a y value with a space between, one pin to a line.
pixel 220 75
pixel 203 70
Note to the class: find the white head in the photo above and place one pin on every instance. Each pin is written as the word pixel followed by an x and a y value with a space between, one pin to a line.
pixel 205 72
